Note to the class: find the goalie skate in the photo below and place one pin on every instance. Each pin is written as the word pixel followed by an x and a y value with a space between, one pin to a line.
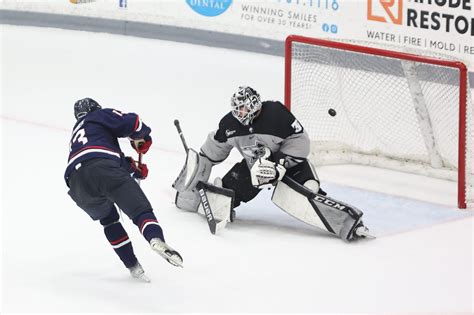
pixel 362 232
pixel 171 256
pixel 137 272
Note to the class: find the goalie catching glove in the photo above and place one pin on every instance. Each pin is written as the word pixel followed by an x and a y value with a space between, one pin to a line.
pixel 266 172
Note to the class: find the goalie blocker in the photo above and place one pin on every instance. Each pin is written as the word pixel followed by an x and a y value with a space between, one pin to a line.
pixel 320 211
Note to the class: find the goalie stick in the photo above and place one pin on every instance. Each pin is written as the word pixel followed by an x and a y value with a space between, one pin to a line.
pixel 207 208
pixel 215 225
pixel 178 127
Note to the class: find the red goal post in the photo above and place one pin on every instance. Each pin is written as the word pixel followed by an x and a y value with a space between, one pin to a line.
pixel 396 110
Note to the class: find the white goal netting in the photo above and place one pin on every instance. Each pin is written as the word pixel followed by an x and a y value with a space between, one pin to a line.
pixel 393 110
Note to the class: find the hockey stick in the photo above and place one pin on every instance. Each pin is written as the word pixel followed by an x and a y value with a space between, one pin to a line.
pixel 207 208
pixel 214 225
pixel 140 156
pixel 178 127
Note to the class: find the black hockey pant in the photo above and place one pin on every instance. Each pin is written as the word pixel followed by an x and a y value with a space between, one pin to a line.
pixel 99 183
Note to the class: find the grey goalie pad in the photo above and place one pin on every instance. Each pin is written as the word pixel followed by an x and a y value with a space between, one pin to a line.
pixel 196 168
pixel 320 211
pixel 187 200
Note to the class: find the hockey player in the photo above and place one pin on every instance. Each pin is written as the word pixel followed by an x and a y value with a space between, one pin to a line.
pixel 274 146
pixel 99 176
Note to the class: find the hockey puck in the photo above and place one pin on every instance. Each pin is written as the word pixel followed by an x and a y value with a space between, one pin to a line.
pixel 332 112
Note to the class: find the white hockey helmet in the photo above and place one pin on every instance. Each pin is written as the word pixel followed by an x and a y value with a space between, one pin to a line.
pixel 245 104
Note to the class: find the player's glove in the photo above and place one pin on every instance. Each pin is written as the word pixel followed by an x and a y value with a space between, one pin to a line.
pixel 266 172
pixel 138 171
pixel 141 145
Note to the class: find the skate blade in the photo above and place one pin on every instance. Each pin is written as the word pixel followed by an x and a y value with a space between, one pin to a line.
pixel 174 260
pixel 169 255
pixel 142 278
pixel 368 236
pixel 363 232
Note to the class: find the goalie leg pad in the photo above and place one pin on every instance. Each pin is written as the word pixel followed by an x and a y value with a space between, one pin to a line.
pixel 187 200
pixel 320 211
pixel 216 204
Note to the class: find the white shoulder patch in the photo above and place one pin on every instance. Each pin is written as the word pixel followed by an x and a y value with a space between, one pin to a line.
pixel 297 126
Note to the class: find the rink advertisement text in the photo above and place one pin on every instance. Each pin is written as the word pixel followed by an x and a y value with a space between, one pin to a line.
pixel 438 26
pixel 277 16
pixel 420 42
pixel 444 26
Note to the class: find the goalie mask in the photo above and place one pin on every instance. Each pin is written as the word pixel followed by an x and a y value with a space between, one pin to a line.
pixel 245 104
pixel 85 106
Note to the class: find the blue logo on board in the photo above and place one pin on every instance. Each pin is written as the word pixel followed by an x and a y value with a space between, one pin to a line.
pixel 209 7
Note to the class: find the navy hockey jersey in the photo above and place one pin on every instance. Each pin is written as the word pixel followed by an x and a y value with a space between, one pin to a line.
pixel 95 136
pixel 275 128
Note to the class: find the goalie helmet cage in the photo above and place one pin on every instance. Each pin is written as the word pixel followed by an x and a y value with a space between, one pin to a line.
pixel 394 110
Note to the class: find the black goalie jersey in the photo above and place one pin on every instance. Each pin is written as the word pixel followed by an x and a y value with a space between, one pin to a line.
pixel 275 128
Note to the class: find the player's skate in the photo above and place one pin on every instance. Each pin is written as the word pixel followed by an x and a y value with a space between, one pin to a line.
pixel 362 232
pixel 137 272
pixel 172 256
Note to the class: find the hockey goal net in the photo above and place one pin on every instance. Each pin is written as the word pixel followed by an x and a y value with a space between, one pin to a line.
pixel 393 110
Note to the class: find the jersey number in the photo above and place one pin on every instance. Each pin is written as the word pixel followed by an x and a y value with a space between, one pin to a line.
pixel 80 136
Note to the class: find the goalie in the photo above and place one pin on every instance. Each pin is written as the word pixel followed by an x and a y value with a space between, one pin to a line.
pixel 274 146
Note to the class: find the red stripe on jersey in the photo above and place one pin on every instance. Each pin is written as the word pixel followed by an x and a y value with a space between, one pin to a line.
pixel 137 123
pixel 119 240
pixel 91 147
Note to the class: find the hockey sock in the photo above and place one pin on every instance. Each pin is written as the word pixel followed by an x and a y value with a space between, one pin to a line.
pixel 149 226
pixel 118 238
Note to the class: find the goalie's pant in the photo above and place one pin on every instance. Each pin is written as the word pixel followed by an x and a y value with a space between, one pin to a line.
pixel 238 179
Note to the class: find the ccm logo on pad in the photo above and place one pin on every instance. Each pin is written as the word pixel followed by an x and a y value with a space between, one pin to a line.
pixel 329 202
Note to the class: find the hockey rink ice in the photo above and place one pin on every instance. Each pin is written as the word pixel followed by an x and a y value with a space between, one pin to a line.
pixel 56 260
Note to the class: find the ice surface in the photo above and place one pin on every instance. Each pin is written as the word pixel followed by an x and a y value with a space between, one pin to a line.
pixel 55 259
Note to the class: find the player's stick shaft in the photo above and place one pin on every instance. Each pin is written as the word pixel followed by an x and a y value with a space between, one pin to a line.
pixel 178 127
pixel 140 156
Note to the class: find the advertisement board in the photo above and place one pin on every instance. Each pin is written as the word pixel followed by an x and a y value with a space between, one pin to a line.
pixel 432 27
